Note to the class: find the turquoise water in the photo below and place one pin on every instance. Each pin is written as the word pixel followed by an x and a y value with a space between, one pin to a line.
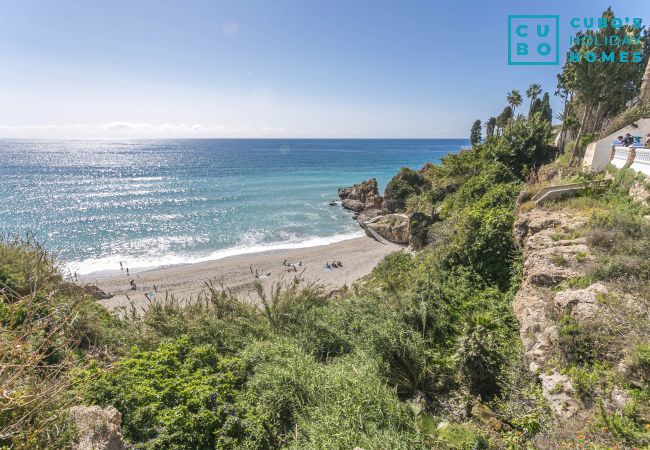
pixel 155 203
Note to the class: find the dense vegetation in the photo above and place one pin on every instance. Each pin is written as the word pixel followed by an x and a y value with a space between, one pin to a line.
pixel 395 362
pixel 422 353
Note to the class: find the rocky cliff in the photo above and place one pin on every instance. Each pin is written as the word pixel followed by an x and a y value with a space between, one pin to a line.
pixel 566 317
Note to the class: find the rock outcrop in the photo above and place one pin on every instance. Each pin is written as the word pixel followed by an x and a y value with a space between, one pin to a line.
pixel 372 216
pixel 361 197
pixel 392 227
pixel 557 299
pixel 552 254
pixel 98 428
pixel 640 193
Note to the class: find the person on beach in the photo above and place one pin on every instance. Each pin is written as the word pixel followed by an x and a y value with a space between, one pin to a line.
pixel 127 272
pixel 121 266
pixel 257 273
pixel 133 286
pixel 284 263
pixel 327 265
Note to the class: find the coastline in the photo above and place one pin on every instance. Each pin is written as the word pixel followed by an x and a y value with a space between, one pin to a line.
pixel 358 256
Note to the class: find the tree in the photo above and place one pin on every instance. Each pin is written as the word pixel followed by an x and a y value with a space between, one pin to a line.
pixel 601 89
pixel 475 135
pixel 547 112
pixel 514 100
pixel 504 117
pixel 532 93
pixel 566 95
pixel 490 125
pixel 535 108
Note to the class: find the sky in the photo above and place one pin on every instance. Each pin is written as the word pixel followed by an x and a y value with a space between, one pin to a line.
pixel 266 68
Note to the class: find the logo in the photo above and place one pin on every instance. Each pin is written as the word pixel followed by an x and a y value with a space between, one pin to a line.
pixel 534 40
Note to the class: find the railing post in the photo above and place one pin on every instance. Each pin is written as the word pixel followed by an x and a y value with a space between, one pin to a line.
pixel 631 155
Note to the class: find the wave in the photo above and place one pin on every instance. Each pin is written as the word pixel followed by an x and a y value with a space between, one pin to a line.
pixel 109 265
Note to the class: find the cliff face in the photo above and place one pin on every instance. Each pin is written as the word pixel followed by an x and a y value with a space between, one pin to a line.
pixel 569 322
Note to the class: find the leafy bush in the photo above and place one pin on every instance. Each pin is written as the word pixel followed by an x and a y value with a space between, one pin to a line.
pixel 406 183
pixel 339 405
pixel 178 396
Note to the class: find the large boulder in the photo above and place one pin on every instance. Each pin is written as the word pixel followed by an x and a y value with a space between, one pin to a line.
pixel 360 197
pixel 98 428
pixel 407 182
pixel 392 227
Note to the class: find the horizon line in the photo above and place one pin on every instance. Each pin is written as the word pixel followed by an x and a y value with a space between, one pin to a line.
pixel 222 137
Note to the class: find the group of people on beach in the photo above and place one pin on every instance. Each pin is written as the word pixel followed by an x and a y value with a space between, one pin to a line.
pixel 134 287
pixel 257 273
pixel 334 265
pixel 292 267
pixel 632 141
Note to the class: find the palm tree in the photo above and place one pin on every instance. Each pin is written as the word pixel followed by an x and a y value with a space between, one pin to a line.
pixel 532 93
pixel 514 100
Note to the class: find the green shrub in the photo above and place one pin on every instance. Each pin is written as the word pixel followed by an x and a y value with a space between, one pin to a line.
pixel 339 405
pixel 405 184
pixel 177 396
pixel 461 437
pixel 580 343
pixel 483 353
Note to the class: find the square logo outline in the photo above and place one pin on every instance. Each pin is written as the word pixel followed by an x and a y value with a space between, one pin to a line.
pixel 557 40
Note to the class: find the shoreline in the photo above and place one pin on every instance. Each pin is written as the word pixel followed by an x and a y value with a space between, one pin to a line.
pixel 214 256
pixel 186 281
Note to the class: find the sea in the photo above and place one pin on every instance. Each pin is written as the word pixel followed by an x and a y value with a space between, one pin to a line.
pixel 155 203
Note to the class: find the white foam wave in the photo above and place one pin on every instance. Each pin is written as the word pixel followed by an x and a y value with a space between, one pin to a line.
pixel 110 265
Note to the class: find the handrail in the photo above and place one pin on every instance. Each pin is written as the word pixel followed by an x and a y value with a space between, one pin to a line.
pixel 564 189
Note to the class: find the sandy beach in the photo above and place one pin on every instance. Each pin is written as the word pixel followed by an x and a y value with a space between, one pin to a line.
pixel 358 256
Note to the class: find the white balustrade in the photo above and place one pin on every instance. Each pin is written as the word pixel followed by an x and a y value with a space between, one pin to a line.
pixel 641 161
pixel 620 156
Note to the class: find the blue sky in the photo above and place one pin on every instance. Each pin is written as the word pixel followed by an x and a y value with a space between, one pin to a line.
pixel 282 68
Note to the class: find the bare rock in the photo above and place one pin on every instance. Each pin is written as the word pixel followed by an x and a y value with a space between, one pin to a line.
pixel 550 266
pixel 352 204
pixel 581 304
pixel 98 428
pixel 617 399
pixel 639 192
pixel 368 214
pixel 392 227
pixel 361 196
pixel 558 392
